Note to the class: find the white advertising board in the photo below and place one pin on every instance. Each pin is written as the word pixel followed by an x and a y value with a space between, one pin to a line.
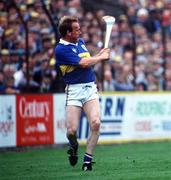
pixel 59 101
pixel 132 116
pixel 7 121
pixel 114 118
pixel 152 116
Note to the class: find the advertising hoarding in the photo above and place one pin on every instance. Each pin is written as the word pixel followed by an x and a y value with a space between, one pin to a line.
pixel 151 116
pixel 34 119
pixel 59 118
pixel 7 121
pixel 41 118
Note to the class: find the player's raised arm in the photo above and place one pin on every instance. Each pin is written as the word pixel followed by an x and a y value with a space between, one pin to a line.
pixel 101 56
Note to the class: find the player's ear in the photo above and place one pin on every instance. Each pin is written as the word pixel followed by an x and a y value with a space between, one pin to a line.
pixel 69 33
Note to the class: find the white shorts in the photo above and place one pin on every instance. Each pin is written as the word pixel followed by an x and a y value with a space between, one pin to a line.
pixel 78 94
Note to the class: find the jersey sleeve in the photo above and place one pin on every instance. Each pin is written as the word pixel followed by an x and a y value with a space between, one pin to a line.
pixel 67 56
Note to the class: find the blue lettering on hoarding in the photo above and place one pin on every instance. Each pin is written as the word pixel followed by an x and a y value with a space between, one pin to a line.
pixel 81 127
pixel 87 129
pixel 110 133
pixel 112 111
pixel 166 125
pixel 120 106
pixel 79 132
pixel 9 113
pixel 111 121
pixel 108 106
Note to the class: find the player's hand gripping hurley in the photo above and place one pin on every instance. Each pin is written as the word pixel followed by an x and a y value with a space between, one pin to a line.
pixel 109 20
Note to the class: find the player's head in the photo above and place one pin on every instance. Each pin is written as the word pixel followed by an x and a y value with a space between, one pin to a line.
pixel 69 28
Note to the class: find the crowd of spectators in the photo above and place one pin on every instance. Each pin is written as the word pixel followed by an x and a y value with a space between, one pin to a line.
pixel 140 45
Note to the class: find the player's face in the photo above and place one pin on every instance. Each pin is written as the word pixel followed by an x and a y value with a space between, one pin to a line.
pixel 75 32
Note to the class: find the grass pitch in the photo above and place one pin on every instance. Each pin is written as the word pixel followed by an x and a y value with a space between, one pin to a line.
pixel 143 161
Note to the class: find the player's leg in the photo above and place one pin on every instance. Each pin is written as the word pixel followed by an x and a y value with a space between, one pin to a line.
pixel 92 111
pixel 72 118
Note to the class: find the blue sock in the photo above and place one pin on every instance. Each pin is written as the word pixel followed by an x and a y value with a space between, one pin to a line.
pixel 87 158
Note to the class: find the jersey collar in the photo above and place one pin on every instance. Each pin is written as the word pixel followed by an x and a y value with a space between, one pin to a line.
pixel 62 41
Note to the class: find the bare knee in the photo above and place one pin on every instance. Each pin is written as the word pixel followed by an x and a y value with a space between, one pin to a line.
pixel 95 125
pixel 71 131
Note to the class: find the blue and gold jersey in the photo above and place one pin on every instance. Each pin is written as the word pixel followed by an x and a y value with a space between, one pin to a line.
pixel 67 57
